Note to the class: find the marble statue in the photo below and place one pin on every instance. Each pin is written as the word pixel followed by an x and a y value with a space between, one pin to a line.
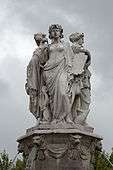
pixel 34 82
pixel 57 71
pixel 82 86
pixel 58 79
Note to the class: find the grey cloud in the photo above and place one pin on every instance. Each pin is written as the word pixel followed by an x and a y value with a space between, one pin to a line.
pixel 4 88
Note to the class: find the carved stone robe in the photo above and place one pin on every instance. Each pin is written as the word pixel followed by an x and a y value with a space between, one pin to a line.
pixel 35 79
pixel 56 72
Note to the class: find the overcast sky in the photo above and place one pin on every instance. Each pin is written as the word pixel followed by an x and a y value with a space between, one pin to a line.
pixel 19 20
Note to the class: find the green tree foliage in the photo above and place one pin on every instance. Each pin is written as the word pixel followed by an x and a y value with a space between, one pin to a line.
pixel 5 163
pixel 102 161
pixel 19 165
pixel 111 156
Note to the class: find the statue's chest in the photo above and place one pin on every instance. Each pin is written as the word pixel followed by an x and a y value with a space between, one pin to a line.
pixel 56 53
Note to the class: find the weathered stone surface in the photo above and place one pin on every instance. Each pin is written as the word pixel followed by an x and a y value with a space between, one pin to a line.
pixel 61 127
pixel 58 85
pixel 59 149
pixel 78 63
pixel 58 79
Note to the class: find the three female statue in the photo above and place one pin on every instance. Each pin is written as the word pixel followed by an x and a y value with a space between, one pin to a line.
pixel 58 79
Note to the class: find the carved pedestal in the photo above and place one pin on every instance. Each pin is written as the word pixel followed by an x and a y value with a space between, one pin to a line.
pixel 59 149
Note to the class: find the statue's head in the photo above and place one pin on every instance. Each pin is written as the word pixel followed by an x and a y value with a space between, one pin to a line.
pixel 55 31
pixel 40 37
pixel 37 140
pixel 77 37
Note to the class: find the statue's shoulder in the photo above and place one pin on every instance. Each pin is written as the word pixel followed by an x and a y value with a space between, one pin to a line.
pixel 86 50
pixel 65 43
pixel 36 51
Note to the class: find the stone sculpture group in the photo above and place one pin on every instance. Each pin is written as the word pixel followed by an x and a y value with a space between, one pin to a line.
pixel 58 79
pixel 58 85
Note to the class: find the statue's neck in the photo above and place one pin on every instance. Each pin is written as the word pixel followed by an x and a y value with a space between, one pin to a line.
pixel 55 40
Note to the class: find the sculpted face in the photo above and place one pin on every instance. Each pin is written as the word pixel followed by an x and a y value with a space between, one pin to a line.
pixel 81 41
pixel 55 33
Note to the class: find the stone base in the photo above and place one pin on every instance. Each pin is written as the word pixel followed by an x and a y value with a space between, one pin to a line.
pixel 55 126
pixel 59 149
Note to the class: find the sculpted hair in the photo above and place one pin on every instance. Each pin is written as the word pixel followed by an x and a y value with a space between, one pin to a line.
pixel 55 26
pixel 76 36
pixel 39 37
